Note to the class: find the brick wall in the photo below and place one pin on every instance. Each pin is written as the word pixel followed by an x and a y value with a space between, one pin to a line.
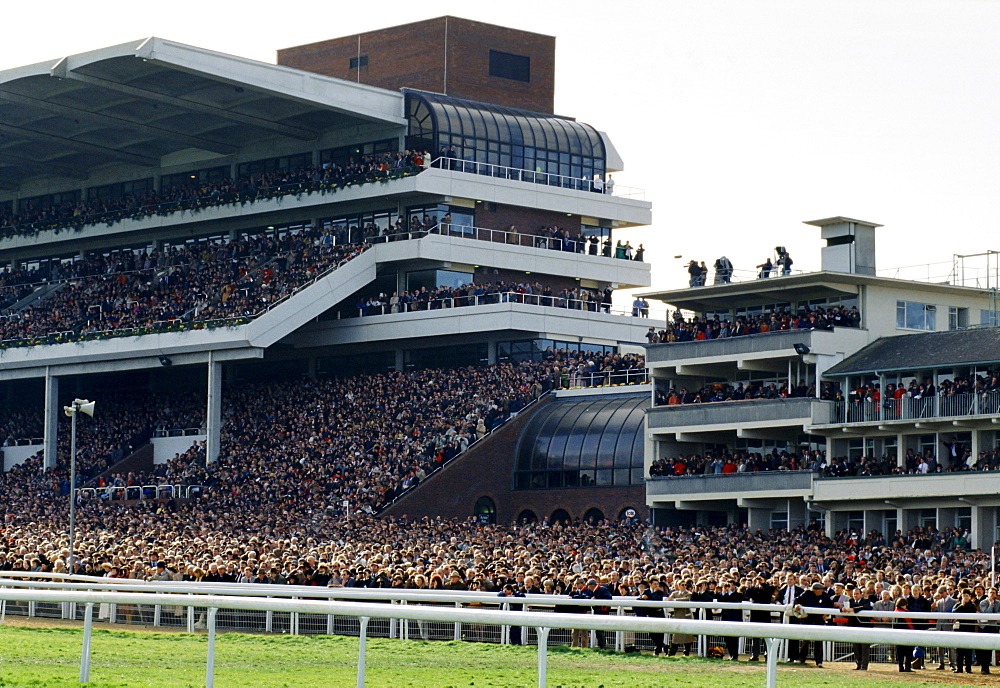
pixel 488 470
pixel 444 55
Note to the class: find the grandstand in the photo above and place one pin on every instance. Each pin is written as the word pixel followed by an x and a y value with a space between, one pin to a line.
pixel 878 394
pixel 194 247
pixel 360 329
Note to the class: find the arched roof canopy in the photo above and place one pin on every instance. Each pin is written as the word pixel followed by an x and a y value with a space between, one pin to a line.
pixel 502 136
pixel 583 442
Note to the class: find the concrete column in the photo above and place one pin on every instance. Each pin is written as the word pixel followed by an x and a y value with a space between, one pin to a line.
pixel 946 518
pixel 836 447
pixel 873 521
pixel 213 411
pixel 835 520
pixel 400 360
pixel 907 519
pixel 758 519
pixel 983 527
pixel 311 367
pixel 52 410
pixel 977 445
pixel 796 513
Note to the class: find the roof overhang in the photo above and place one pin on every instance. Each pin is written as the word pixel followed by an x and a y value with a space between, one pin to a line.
pixel 136 102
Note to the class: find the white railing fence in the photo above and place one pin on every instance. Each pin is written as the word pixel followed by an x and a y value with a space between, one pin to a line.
pixel 444 609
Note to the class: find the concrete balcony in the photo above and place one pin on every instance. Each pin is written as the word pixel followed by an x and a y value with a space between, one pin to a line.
pixel 767 352
pixel 969 488
pixel 723 492
pixel 729 420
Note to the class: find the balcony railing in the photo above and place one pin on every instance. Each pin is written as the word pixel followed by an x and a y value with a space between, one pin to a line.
pixel 419 306
pixel 533 177
pixel 955 406
pixel 660 486
pixel 117 493
pixel 734 413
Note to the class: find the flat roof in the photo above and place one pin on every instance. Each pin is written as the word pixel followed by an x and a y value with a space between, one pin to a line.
pixel 133 103
pixel 838 220
pixel 786 289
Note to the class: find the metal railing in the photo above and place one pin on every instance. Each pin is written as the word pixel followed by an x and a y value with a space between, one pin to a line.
pixel 116 493
pixel 415 306
pixel 178 432
pixel 213 604
pixel 954 406
pixel 536 177
pixel 24 441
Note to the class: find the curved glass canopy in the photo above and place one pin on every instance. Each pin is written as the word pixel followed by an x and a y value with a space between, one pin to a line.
pixel 594 441
pixel 503 136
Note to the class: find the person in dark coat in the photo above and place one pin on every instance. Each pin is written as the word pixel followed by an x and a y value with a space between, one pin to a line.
pixel 904 653
pixel 814 597
pixel 653 593
pixel 761 592
pixel 859 603
pixel 731 594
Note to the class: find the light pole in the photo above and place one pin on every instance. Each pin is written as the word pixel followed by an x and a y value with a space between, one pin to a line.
pixel 87 407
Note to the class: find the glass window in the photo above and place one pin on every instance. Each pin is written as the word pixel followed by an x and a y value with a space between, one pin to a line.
pixel 193 177
pixel 489 133
pixel 432 279
pixel 583 443
pixel 958 318
pixel 359 62
pixel 989 318
pixel 510 66
pixel 915 316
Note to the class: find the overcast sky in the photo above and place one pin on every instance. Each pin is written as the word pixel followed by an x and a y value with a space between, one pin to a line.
pixel 739 119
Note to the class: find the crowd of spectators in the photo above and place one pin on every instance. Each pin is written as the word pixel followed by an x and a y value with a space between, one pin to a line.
pixel 724 391
pixel 913 463
pixel 590 369
pixel 197 194
pixel 698 328
pixel 207 281
pixel 725 462
pixel 194 543
pixel 306 463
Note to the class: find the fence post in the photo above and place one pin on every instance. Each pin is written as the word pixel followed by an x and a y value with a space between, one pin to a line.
pixel 157 613
pixel 392 623
pixel 210 662
pixel 620 635
pixel 702 639
pixel 505 630
pixel 88 622
pixel 543 655
pixel 772 662
pixel 362 646
pixel 458 625
pixel 190 619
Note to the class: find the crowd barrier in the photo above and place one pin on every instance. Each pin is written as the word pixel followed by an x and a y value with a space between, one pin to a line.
pixel 451 615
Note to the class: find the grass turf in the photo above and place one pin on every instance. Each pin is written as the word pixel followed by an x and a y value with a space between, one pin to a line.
pixel 49 658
